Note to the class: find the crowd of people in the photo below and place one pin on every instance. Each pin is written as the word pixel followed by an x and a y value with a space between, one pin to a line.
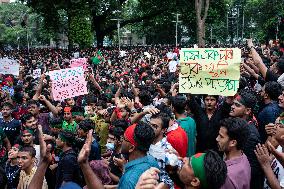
pixel 135 130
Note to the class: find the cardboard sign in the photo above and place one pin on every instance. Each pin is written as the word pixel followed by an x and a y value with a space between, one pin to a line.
pixel 210 71
pixel 68 83
pixel 79 62
pixel 9 66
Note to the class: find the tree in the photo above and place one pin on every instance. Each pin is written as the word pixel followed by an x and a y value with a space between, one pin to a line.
pixel 201 8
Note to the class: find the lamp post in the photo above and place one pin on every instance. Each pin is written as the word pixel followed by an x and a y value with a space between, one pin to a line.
pixel 177 21
pixel 118 30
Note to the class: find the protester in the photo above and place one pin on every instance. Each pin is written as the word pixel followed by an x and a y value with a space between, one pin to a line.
pixel 231 140
pixel 132 109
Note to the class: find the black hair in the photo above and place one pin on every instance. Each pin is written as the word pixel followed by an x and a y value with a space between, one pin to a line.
pixel 280 66
pixel 120 123
pixel 236 130
pixel 179 104
pixel 145 97
pixel 166 110
pixel 86 125
pixel 33 102
pixel 214 96
pixel 117 132
pixel 144 136
pixel 69 137
pixel 273 89
pixel 215 169
pixel 249 98
pixel 8 104
pixel 164 118
pixel 26 117
pixel 31 150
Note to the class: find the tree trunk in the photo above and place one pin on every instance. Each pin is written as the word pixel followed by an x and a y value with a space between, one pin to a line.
pixel 201 34
pixel 100 38
pixel 200 20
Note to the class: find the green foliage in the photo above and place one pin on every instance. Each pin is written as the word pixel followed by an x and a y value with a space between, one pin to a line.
pixel 80 29
pixel 11 31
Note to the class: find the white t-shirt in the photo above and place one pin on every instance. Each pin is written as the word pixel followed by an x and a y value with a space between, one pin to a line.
pixel 173 66
pixel 278 171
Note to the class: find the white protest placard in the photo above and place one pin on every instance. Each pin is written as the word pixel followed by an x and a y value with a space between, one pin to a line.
pixel 36 73
pixel 68 83
pixel 9 66
pixel 79 62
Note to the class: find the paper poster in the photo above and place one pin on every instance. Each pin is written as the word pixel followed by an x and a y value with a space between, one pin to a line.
pixel 147 54
pixel 210 71
pixel 9 66
pixel 36 73
pixel 79 62
pixel 67 83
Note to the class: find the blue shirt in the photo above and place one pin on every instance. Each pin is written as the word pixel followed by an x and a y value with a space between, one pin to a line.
pixel 134 169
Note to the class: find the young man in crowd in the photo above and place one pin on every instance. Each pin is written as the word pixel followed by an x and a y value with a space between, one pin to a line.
pixel 207 120
pixel 30 122
pixel 161 149
pixel 69 124
pixel 136 143
pixel 27 137
pixel 5 146
pixel 243 107
pixel 42 118
pixel 186 122
pixel 26 161
pixel 68 168
pixel 231 140
pixel 10 125
pixel 12 168
pixel 83 129
pixel 114 142
pixel 269 94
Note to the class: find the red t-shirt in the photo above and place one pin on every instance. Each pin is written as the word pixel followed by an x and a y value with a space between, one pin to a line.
pixel 179 141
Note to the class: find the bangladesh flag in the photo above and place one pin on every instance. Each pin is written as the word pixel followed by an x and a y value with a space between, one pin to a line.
pixel 98 58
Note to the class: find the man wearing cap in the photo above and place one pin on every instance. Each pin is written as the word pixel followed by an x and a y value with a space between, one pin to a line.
pixel 68 168
pixel 231 140
pixel 136 143
pixel 243 107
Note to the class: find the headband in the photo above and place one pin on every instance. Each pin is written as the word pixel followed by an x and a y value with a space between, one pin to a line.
pixel 241 100
pixel 197 164
pixel 129 135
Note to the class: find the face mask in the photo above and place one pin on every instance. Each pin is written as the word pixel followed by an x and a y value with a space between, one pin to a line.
pixel 110 146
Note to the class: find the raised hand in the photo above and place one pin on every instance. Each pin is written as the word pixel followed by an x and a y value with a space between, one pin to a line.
pixel 85 151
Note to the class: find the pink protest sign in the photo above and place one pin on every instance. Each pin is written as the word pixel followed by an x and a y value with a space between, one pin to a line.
pixel 67 83
pixel 79 62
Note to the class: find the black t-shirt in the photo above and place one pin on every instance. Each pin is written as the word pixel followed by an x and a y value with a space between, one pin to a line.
pixel 68 169
pixel 11 128
pixel 13 175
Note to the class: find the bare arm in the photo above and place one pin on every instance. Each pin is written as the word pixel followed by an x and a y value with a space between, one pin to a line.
pixel 92 79
pixel 46 158
pixel 7 143
pixel 92 181
pixel 50 106
pixel 257 59
pixel 39 88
